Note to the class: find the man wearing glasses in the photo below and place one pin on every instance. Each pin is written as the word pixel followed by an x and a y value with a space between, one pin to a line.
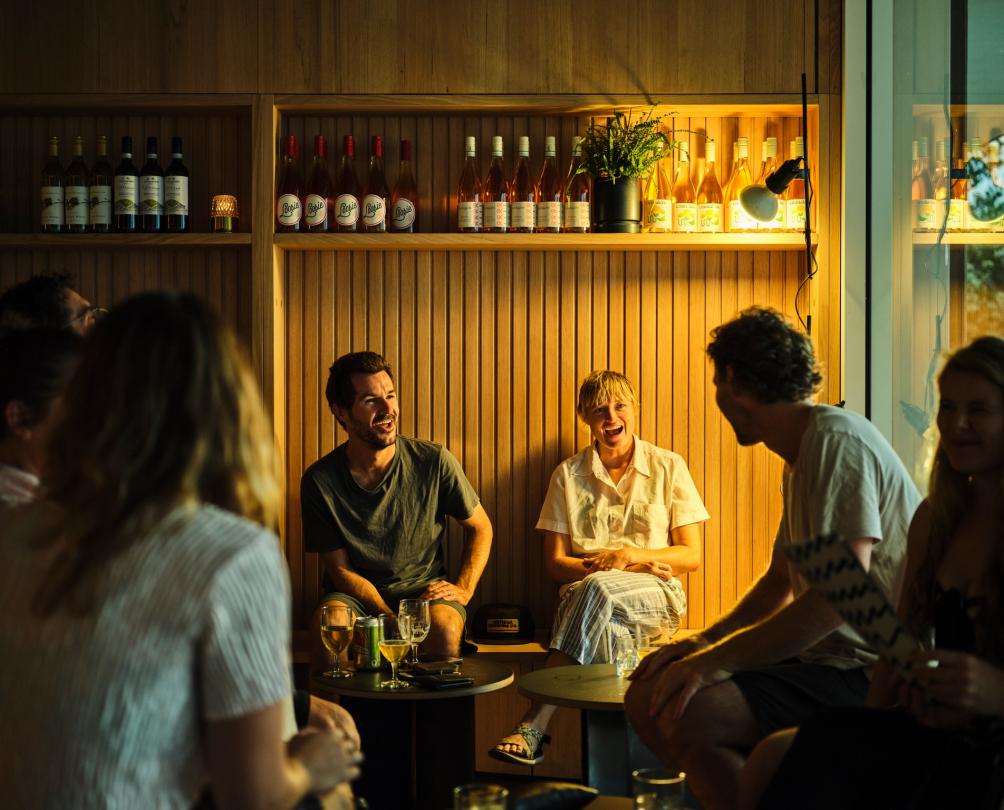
pixel 47 302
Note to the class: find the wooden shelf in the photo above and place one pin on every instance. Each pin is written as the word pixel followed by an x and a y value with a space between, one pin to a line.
pixel 124 240
pixel 541 241
pixel 960 238
pixel 133 103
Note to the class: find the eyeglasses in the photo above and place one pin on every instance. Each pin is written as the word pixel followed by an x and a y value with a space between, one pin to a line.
pixel 88 316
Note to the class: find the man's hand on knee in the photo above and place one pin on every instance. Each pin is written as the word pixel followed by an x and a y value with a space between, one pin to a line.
pixel 681 680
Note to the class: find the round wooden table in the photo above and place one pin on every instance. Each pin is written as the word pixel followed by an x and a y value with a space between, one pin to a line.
pixel 418 742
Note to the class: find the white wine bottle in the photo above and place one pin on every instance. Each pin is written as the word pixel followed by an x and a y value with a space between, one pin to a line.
pixel 76 193
pixel 53 216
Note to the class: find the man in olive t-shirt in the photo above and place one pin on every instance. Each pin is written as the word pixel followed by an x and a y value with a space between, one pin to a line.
pixel 375 508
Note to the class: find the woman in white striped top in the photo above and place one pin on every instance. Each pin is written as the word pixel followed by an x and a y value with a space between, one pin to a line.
pixel 144 609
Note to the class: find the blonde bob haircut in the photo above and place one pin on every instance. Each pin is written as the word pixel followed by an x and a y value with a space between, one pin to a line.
pixel 162 413
pixel 604 386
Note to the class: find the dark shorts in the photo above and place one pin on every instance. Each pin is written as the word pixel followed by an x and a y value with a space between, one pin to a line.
pixel 784 695
pixel 357 606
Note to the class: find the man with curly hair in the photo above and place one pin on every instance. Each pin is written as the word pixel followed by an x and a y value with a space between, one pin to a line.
pixel 782 652
pixel 47 302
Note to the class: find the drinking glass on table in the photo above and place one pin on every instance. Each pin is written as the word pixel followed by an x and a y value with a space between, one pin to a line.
pixel 337 621
pixel 417 610
pixel 394 647
pixel 658 789
pixel 480 797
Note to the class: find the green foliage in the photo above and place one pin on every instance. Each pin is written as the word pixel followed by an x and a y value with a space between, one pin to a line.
pixel 624 147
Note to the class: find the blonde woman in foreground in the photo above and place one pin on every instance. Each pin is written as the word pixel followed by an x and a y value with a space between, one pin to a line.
pixel 144 606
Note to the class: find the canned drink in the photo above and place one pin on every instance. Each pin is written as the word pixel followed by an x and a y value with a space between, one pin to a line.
pixel 366 640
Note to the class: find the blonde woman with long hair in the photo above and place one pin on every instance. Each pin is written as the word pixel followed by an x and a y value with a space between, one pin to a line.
pixel 144 600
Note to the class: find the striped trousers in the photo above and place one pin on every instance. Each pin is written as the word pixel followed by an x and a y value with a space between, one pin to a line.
pixel 607 604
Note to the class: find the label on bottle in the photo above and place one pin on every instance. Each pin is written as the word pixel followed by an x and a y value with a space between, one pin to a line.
pixel 288 210
pixel 956 214
pixel 549 215
pixel 660 215
pixel 780 218
pixel 52 205
pixel 709 217
pixel 151 194
pixel 469 216
pixel 125 194
pixel 316 212
pixel 521 214
pixel 176 195
pixel 374 210
pixel 739 220
pixel 685 217
pixel 577 215
pixel 77 205
pixel 403 215
pixel 346 210
pixel 101 205
pixel 925 215
pixel 794 211
pixel 495 214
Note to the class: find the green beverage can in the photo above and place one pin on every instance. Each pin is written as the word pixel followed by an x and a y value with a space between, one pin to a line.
pixel 367 635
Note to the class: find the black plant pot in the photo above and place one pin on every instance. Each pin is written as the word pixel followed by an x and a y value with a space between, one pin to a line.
pixel 617 206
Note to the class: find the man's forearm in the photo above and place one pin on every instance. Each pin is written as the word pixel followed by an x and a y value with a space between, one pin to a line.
pixel 766 596
pixel 353 584
pixel 477 548
pixel 787 633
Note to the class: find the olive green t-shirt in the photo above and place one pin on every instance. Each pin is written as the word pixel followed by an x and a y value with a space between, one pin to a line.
pixel 393 533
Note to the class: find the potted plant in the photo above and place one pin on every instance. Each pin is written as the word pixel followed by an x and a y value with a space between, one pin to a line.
pixel 618 154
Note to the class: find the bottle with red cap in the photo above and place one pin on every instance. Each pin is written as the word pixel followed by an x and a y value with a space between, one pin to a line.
pixel 288 210
pixel 320 200
pixel 377 193
pixel 404 198
pixel 347 199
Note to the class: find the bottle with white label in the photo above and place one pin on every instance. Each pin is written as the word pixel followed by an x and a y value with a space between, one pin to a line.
pixel 709 195
pixel 469 191
pixel 495 191
pixel 794 199
pixel 659 217
pixel 101 190
pixel 126 190
pixel 53 216
pixel 151 190
pixel 76 196
pixel 288 209
pixel 575 216
pixel 176 190
pixel 320 199
pixel 742 177
pixel 549 194
pixel 522 194
pixel 377 198
pixel 348 191
pixel 770 166
pixel 404 197
pixel 684 196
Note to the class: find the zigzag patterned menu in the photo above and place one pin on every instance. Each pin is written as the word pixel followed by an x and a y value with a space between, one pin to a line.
pixel 831 567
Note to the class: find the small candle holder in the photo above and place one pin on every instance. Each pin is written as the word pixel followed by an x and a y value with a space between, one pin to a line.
pixel 223 213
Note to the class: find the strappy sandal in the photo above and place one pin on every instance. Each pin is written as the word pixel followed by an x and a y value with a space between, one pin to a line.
pixel 533 742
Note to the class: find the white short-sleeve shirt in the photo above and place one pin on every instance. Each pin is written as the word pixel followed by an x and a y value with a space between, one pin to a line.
pixel 655 495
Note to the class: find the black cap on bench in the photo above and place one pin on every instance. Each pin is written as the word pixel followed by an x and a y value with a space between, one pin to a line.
pixel 501 623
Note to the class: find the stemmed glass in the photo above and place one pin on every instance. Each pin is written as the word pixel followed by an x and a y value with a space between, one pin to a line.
pixel 394 649
pixel 337 621
pixel 417 610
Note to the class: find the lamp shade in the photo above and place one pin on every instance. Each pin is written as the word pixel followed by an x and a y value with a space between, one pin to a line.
pixel 759 202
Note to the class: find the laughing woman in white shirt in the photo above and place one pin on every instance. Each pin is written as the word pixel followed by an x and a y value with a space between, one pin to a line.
pixel 620 521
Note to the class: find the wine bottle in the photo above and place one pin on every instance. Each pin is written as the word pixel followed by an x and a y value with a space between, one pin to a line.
pixel 684 196
pixel 347 199
pixel 709 195
pixel 126 190
pixel 404 198
pixel 549 192
pixel 176 190
pixel 660 212
pixel 739 220
pixel 319 202
pixel 495 193
pixel 52 216
pixel 469 191
pixel 76 194
pixel 922 190
pixel 778 223
pixel 522 195
pixel 794 205
pixel 576 211
pixel 377 194
pixel 994 166
pixel 288 209
pixel 101 189
pixel 762 173
pixel 151 190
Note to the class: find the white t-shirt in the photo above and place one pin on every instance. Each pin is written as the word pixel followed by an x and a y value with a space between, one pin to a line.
pixel 847 480
pixel 107 710
pixel 655 495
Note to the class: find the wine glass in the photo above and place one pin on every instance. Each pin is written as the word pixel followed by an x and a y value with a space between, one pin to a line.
pixel 394 649
pixel 417 610
pixel 337 621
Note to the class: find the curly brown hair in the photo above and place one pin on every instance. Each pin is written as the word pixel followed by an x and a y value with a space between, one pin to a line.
pixel 769 357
